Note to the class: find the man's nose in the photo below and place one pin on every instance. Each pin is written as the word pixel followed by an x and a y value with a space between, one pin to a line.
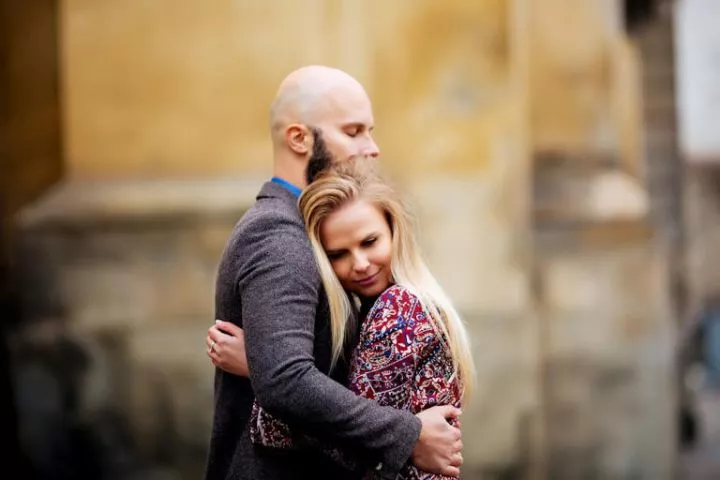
pixel 372 150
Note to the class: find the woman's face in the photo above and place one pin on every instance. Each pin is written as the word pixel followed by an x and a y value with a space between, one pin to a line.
pixel 358 243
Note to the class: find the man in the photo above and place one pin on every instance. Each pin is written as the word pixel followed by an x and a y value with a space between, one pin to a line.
pixel 269 286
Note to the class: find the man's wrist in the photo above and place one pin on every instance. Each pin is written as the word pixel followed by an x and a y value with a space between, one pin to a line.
pixel 395 459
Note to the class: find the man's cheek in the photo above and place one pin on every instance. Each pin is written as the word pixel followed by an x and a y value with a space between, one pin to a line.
pixel 354 149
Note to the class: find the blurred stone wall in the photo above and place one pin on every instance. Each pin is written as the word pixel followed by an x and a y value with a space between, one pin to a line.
pixel 516 136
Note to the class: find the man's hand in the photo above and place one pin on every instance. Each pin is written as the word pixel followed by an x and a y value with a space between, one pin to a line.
pixel 226 348
pixel 439 448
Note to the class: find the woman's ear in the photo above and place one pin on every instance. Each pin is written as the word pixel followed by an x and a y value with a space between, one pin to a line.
pixel 298 139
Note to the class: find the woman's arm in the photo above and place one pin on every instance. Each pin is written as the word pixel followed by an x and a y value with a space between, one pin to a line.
pixel 384 364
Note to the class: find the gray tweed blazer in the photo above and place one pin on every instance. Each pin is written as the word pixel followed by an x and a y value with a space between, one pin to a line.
pixel 269 285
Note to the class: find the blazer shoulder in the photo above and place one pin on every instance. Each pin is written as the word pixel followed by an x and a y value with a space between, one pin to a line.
pixel 271 217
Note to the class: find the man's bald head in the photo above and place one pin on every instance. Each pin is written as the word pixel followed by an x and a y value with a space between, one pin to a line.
pixel 305 92
pixel 317 103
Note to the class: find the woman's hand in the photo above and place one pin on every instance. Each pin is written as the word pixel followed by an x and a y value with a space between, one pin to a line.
pixel 226 348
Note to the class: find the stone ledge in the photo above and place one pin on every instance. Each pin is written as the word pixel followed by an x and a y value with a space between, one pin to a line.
pixel 87 205
pixel 578 237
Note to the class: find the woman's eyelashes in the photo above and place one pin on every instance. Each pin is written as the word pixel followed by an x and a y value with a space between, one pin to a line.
pixel 368 241
pixel 332 256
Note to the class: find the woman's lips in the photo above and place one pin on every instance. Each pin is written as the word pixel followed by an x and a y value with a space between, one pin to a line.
pixel 367 281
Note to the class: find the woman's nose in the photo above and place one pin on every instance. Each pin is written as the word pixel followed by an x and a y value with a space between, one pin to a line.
pixel 360 263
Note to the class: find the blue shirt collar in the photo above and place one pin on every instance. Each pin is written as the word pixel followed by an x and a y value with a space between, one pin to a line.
pixel 289 186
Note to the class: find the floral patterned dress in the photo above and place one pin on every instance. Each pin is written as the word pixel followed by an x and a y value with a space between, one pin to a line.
pixel 401 360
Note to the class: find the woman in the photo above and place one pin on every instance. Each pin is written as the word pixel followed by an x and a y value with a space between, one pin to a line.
pixel 413 350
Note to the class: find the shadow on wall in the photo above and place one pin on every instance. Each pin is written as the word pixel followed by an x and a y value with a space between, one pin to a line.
pixel 59 435
pixel 62 438
pixel 10 314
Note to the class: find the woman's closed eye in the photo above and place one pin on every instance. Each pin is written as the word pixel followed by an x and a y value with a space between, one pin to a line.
pixel 332 256
pixel 369 241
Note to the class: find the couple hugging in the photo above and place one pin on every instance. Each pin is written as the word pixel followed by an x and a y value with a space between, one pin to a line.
pixel 338 354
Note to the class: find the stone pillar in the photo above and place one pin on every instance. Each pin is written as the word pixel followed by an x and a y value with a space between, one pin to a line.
pixel 601 272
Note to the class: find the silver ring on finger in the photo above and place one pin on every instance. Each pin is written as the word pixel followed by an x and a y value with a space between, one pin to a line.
pixel 212 346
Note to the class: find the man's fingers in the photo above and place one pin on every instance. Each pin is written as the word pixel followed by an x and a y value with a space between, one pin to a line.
pixel 457 460
pixel 450 412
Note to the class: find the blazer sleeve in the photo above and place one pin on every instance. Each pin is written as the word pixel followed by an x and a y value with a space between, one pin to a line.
pixel 279 302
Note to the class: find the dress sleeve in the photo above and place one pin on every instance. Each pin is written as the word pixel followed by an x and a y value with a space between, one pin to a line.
pixel 385 359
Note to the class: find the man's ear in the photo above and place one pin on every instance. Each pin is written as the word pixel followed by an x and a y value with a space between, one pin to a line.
pixel 299 139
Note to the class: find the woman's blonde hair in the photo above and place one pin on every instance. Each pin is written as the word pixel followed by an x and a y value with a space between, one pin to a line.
pixel 354 180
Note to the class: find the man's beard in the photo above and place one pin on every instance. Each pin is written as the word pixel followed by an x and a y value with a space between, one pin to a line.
pixel 320 158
